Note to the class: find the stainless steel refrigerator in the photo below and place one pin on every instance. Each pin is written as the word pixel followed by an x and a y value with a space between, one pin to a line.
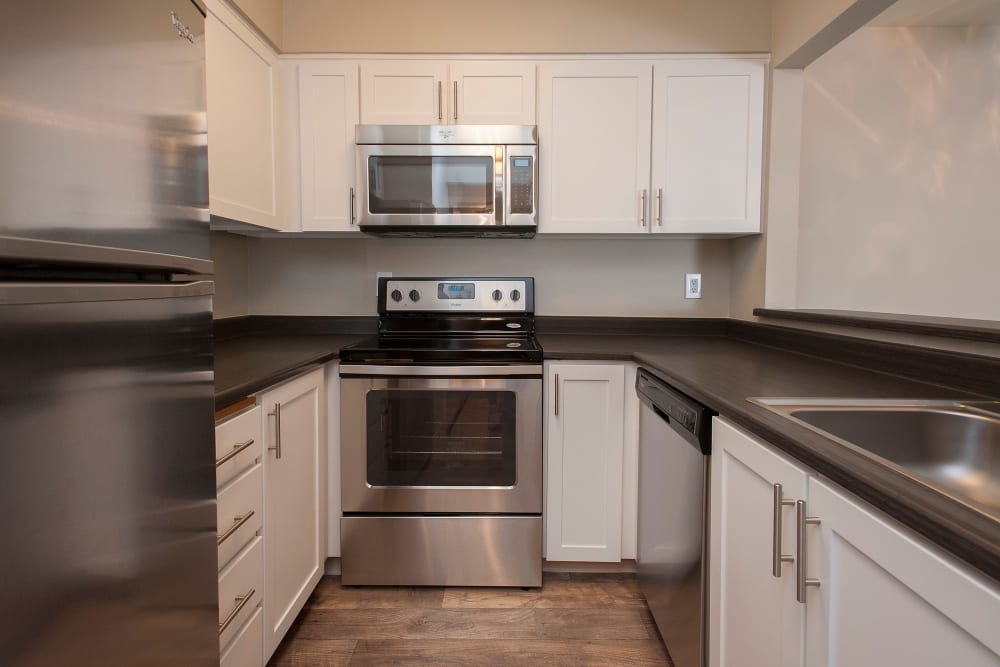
pixel 107 476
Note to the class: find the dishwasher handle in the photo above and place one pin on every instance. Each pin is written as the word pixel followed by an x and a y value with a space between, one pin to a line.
pixel 689 418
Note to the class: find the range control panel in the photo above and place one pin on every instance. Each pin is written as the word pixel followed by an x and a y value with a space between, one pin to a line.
pixel 474 295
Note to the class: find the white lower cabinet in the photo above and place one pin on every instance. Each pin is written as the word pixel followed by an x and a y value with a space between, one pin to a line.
pixel 884 595
pixel 294 498
pixel 583 459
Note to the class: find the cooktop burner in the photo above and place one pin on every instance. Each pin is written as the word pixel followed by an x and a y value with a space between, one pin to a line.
pixel 451 321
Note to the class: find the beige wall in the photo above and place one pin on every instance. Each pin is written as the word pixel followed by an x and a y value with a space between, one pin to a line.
pixel 900 174
pixel 643 278
pixel 526 26
pixel 267 15
pixel 229 252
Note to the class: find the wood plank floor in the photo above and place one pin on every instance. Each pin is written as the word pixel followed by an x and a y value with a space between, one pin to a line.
pixel 574 619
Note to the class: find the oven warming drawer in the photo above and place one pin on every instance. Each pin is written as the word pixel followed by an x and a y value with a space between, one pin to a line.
pixel 442 551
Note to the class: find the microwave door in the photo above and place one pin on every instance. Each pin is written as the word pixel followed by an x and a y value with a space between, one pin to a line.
pixel 419 186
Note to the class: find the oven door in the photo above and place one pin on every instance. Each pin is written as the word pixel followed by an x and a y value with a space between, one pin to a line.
pixel 420 186
pixel 441 439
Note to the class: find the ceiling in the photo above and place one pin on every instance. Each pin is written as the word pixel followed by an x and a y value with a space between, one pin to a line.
pixel 940 13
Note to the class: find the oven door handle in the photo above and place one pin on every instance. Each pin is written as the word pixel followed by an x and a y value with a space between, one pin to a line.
pixel 441 371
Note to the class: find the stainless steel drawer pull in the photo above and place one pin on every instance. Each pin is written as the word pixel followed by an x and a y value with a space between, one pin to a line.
pixel 237 523
pixel 801 521
pixel 277 430
pixel 354 216
pixel 234 452
pixel 241 601
pixel 659 207
pixel 776 556
pixel 555 399
pixel 642 208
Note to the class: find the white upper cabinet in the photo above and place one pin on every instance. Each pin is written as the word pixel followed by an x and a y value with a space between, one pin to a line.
pixel 404 92
pixel 241 85
pixel 708 130
pixel 594 135
pixel 436 92
pixel 492 92
pixel 328 112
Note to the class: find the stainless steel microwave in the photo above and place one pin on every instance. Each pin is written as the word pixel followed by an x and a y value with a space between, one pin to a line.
pixel 447 180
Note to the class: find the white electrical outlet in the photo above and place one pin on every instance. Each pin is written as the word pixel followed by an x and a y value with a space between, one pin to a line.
pixel 692 285
pixel 381 274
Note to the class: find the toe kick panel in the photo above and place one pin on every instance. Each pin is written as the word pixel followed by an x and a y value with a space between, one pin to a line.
pixel 442 551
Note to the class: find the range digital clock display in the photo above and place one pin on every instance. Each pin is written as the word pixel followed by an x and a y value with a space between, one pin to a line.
pixel 456 290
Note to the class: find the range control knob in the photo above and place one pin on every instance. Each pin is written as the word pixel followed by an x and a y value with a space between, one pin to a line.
pixel 396 295
pixel 515 295
pixel 414 295
pixel 497 295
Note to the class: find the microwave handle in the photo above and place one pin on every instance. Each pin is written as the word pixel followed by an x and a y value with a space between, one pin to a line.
pixel 501 202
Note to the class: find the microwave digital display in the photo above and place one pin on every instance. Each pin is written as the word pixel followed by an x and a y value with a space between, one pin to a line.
pixel 456 290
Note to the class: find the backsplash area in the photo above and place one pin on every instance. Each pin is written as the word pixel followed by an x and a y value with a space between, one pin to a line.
pixel 336 276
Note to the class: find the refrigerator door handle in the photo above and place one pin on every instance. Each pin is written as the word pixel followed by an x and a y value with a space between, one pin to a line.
pixel 32 293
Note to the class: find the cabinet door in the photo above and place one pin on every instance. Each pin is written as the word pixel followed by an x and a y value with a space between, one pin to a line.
pixel 708 130
pixel 241 74
pixel 328 112
pixel 492 92
pixel 583 504
pixel 887 598
pixel 404 92
pixel 753 616
pixel 294 499
pixel 594 130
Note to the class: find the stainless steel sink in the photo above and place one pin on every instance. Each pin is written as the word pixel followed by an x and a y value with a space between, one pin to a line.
pixel 952 446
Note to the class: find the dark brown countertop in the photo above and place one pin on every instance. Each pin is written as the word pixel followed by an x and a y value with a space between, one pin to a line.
pixel 722 372
pixel 247 364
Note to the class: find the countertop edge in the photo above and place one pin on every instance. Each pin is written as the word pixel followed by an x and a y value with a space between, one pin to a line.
pixel 237 393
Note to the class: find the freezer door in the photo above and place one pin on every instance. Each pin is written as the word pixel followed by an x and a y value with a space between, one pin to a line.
pixel 103 129
pixel 107 475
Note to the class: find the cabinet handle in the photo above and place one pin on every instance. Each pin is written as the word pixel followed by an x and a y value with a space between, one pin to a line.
pixel 235 450
pixel 801 521
pixel 555 399
pixel 277 430
pixel 237 524
pixel 353 215
pixel 440 101
pixel 659 207
pixel 776 556
pixel 455 87
pixel 241 601
pixel 642 208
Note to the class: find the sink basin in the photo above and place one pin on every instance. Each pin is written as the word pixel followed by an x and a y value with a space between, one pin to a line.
pixel 950 445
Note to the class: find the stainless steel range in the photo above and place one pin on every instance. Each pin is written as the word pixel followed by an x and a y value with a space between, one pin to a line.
pixel 441 437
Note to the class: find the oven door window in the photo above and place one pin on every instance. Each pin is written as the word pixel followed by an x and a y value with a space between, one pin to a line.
pixel 441 438
pixel 405 184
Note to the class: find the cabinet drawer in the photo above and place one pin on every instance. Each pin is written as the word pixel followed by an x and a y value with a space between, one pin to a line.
pixel 247 647
pixel 243 577
pixel 240 512
pixel 231 438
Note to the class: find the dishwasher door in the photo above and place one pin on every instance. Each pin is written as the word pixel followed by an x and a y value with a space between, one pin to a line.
pixel 671 549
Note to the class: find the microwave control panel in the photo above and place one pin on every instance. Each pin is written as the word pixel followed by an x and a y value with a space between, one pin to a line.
pixel 522 181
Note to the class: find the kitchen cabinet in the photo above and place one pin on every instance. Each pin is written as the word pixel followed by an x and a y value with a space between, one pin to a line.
pixel 238 473
pixel 887 597
pixel 708 137
pixel 294 436
pixel 584 427
pixel 884 596
pixel 594 129
pixel 754 618
pixel 333 505
pixel 241 75
pixel 434 92
pixel 328 112
pixel 637 147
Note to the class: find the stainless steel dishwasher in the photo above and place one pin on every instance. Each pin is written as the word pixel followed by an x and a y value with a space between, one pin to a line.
pixel 674 444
